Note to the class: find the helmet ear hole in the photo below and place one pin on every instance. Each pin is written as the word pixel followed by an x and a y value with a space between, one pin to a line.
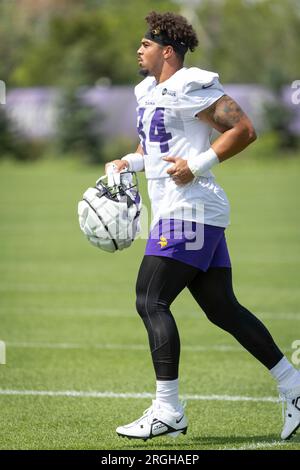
pixel 109 213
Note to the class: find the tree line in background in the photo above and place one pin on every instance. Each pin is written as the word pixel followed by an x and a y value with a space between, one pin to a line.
pixel 74 43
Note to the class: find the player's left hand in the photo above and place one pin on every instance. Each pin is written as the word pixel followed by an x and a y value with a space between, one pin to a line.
pixel 179 172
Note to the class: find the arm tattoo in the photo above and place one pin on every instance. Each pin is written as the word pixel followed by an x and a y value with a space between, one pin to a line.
pixel 225 113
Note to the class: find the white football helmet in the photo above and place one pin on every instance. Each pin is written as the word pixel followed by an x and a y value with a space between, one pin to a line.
pixel 109 212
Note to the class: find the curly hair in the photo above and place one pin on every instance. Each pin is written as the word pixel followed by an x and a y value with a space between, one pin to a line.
pixel 175 27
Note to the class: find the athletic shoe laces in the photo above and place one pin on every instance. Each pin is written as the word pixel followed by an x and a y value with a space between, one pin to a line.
pixel 149 412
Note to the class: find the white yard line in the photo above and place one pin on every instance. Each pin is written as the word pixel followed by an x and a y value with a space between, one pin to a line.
pixel 258 445
pixel 107 394
pixel 29 344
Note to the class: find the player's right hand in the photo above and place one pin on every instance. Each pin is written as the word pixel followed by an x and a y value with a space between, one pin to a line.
pixel 119 165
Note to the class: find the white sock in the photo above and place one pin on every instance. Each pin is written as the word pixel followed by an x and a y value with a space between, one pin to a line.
pixel 167 394
pixel 285 374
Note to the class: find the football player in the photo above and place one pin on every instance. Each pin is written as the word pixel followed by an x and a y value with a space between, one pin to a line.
pixel 178 107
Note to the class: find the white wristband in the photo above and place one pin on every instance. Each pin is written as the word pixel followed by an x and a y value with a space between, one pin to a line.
pixel 135 161
pixel 200 164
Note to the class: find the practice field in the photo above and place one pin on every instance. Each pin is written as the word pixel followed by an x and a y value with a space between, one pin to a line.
pixel 77 358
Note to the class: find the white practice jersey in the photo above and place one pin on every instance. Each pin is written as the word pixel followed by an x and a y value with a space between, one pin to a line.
pixel 168 126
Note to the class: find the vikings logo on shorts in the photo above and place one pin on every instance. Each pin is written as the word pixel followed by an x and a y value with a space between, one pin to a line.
pixel 162 242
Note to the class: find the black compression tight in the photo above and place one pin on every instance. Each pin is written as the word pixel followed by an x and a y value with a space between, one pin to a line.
pixel 159 282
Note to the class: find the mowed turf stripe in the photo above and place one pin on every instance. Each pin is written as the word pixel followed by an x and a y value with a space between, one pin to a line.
pixel 123 347
pixel 107 394
pixel 124 313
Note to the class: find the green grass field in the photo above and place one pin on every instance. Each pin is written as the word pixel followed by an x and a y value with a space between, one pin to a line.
pixel 67 316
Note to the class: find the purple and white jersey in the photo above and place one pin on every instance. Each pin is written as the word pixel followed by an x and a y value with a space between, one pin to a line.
pixel 168 126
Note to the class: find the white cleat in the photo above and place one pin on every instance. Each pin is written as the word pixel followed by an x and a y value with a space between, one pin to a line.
pixel 291 413
pixel 156 421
